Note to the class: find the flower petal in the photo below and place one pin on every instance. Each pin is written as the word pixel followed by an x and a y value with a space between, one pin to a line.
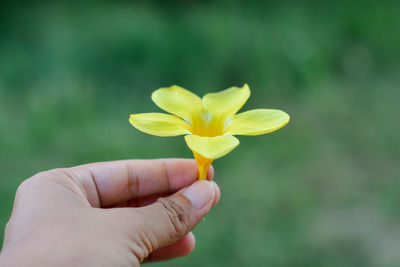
pixel 178 101
pixel 257 121
pixel 211 147
pixel 159 124
pixel 227 102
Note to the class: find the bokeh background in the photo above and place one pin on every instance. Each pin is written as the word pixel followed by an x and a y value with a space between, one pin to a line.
pixel 322 191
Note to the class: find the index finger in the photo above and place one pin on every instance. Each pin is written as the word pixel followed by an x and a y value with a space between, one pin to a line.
pixel 119 181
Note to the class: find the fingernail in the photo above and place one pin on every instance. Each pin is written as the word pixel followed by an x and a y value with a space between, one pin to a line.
pixel 199 193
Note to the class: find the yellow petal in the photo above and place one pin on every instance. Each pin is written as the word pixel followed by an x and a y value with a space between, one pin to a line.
pixel 159 124
pixel 257 121
pixel 227 102
pixel 178 101
pixel 211 147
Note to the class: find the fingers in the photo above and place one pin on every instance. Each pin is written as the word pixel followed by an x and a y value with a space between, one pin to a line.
pixel 121 181
pixel 169 219
pixel 179 249
pixel 148 200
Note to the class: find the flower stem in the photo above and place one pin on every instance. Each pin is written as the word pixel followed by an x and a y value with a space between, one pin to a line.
pixel 203 164
pixel 203 169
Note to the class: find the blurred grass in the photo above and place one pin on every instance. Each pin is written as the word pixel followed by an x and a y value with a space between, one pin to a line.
pixel 323 191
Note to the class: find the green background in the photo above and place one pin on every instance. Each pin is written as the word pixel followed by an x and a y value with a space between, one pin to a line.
pixel 322 191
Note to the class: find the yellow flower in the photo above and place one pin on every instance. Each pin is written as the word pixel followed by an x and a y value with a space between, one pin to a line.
pixel 209 123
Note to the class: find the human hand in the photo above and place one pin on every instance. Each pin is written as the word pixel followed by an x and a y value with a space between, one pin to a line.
pixel 118 213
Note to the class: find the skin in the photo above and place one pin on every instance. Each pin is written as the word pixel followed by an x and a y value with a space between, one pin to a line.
pixel 119 213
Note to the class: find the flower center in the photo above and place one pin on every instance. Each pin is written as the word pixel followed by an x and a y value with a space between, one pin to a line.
pixel 208 125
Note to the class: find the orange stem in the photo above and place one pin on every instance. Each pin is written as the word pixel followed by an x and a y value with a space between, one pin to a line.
pixel 203 164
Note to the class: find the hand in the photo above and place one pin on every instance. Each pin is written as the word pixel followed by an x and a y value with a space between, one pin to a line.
pixel 118 213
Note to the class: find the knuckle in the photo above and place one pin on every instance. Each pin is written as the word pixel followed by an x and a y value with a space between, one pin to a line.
pixel 23 187
pixel 179 219
pixel 29 184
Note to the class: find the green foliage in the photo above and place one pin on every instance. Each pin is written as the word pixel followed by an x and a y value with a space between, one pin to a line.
pixel 322 191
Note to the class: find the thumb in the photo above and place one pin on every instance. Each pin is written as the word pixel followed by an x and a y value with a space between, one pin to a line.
pixel 171 218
